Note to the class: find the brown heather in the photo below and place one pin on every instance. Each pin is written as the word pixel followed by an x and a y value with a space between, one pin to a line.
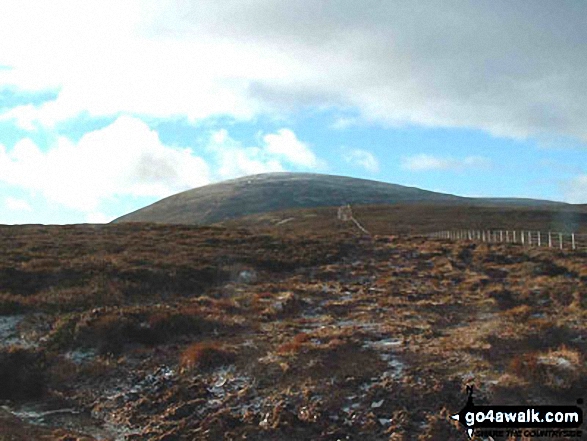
pixel 205 356
pixel 176 332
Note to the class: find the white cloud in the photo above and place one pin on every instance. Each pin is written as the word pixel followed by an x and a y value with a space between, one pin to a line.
pixel 424 162
pixel 277 152
pixel 98 55
pixel 124 158
pixel 344 123
pixel 284 143
pixel 233 160
pixel 15 204
pixel 511 68
pixel 23 116
pixel 575 190
pixel 363 158
pixel 98 218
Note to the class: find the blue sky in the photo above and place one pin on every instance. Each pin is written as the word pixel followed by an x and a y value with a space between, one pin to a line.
pixel 106 107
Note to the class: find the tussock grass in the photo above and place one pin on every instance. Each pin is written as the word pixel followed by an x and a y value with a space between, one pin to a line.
pixel 205 356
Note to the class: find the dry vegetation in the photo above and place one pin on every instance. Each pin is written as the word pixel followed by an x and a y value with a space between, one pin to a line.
pixel 170 332
pixel 416 218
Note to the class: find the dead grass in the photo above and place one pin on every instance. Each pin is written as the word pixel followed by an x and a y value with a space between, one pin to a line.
pixel 560 370
pixel 111 330
pixel 205 356
pixel 295 345
pixel 334 334
pixel 74 268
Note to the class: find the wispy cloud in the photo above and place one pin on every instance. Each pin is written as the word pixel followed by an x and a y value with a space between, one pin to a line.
pixel 561 167
pixel 425 162
pixel 344 123
pixel 363 159
pixel 575 189
pixel 98 218
pixel 15 204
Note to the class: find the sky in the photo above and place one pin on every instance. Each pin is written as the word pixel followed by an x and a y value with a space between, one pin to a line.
pixel 108 106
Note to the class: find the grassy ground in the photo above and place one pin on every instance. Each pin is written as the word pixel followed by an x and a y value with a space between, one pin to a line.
pixel 165 332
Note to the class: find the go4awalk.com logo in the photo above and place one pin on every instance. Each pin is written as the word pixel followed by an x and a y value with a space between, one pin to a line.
pixel 528 421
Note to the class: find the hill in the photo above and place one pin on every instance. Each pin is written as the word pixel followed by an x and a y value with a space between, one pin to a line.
pixel 418 218
pixel 272 192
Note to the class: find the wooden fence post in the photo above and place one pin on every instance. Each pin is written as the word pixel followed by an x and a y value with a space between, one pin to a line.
pixel 560 240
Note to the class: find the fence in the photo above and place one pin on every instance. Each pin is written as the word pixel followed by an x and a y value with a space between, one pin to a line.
pixel 548 239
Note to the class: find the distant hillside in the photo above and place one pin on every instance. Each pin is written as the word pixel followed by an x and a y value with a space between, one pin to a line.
pixel 272 192
pixel 418 218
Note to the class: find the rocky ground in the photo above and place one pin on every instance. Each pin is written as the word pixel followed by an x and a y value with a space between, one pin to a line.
pixel 133 332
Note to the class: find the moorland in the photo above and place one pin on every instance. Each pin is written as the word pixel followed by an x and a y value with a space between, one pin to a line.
pixel 169 332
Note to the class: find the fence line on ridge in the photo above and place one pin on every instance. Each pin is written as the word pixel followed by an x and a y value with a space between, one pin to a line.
pixel 550 239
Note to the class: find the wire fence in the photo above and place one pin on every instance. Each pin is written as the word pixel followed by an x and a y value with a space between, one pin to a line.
pixel 529 238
